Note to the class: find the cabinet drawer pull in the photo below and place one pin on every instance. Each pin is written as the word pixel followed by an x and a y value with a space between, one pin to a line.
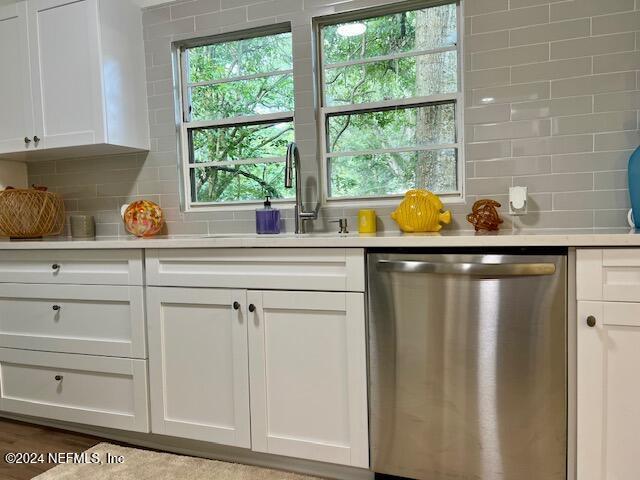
pixel 59 378
pixel 36 139
pixel 591 321
pixel 27 140
pixel 55 266
pixel 56 308
pixel 252 307
pixel 236 306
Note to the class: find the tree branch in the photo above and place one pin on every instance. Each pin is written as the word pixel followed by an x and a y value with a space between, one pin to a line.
pixel 236 171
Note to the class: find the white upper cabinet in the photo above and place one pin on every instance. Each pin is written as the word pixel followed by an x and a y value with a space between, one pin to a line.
pixel 68 106
pixel 87 76
pixel 16 108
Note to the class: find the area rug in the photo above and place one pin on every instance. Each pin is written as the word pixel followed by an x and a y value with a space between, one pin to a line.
pixel 143 464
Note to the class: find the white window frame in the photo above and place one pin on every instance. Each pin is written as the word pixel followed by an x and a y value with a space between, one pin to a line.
pixel 185 123
pixel 325 111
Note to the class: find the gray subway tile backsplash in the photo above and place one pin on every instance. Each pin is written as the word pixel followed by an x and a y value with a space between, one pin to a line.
pixel 619 22
pixel 552 100
pixel 588 8
pixel 519 17
pixel 196 7
pixel 550 32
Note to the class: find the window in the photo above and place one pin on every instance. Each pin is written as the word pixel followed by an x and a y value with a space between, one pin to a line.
pixel 237 107
pixel 390 88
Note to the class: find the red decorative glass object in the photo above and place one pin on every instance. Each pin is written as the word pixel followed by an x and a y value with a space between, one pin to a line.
pixel 484 215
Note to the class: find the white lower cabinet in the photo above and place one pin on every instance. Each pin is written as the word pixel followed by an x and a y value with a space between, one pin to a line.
pixel 608 390
pixel 308 375
pixel 90 319
pixel 102 391
pixel 198 364
pixel 302 354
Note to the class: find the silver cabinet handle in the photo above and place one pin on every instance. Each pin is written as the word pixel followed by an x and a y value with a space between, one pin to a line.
pixel 471 269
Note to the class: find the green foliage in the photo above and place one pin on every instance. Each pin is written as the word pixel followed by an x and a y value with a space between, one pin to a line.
pixel 254 96
pixel 240 183
pixel 396 128
pixel 389 174
pixel 392 173
pixel 250 56
pixel 375 80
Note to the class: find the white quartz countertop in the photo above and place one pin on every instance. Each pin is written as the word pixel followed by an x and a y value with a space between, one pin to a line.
pixel 508 238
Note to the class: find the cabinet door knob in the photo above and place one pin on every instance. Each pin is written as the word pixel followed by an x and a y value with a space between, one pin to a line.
pixel 58 378
pixel 27 140
pixel 236 306
pixel 36 139
pixel 252 307
pixel 55 266
pixel 591 321
pixel 56 308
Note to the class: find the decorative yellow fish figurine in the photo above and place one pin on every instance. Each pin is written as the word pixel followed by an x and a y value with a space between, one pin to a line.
pixel 420 211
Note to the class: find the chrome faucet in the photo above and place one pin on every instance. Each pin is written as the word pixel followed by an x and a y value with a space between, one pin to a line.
pixel 293 161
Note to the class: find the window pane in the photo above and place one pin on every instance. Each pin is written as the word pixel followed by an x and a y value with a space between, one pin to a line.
pixel 403 32
pixel 246 97
pixel 241 142
pixel 392 79
pixel 239 183
pixel 393 174
pixel 403 127
pixel 241 57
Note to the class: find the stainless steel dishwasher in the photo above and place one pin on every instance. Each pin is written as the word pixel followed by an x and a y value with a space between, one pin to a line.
pixel 468 365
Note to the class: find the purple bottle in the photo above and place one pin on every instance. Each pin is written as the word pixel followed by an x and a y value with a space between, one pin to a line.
pixel 267 219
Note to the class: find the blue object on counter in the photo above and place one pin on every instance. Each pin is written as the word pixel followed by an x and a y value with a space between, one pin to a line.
pixel 267 219
pixel 634 185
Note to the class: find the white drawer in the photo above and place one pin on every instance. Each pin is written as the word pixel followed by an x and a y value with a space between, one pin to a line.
pixel 102 391
pixel 611 274
pixel 90 319
pixel 94 267
pixel 333 269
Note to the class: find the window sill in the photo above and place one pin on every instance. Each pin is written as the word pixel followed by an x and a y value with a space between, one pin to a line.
pixel 245 206
pixel 362 203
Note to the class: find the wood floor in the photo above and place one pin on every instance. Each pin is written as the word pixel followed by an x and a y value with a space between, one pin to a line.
pixel 23 437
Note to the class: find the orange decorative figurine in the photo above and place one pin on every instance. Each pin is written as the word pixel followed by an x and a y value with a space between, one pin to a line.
pixel 484 215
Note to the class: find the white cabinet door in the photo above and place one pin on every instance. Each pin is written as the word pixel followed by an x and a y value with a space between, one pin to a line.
pixel 93 390
pixel 65 68
pixel 608 391
pixel 198 364
pixel 102 320
pixel 16 109
pixel 308 375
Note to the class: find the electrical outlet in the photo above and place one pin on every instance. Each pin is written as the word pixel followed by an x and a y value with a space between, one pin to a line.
pixel 518 201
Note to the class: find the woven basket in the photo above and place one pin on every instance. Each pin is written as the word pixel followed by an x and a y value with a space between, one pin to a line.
pixel 30 213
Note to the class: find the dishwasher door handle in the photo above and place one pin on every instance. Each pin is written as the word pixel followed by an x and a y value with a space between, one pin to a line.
pixel 470 269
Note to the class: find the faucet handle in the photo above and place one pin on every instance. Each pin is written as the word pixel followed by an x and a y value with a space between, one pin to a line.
pixel 342 224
